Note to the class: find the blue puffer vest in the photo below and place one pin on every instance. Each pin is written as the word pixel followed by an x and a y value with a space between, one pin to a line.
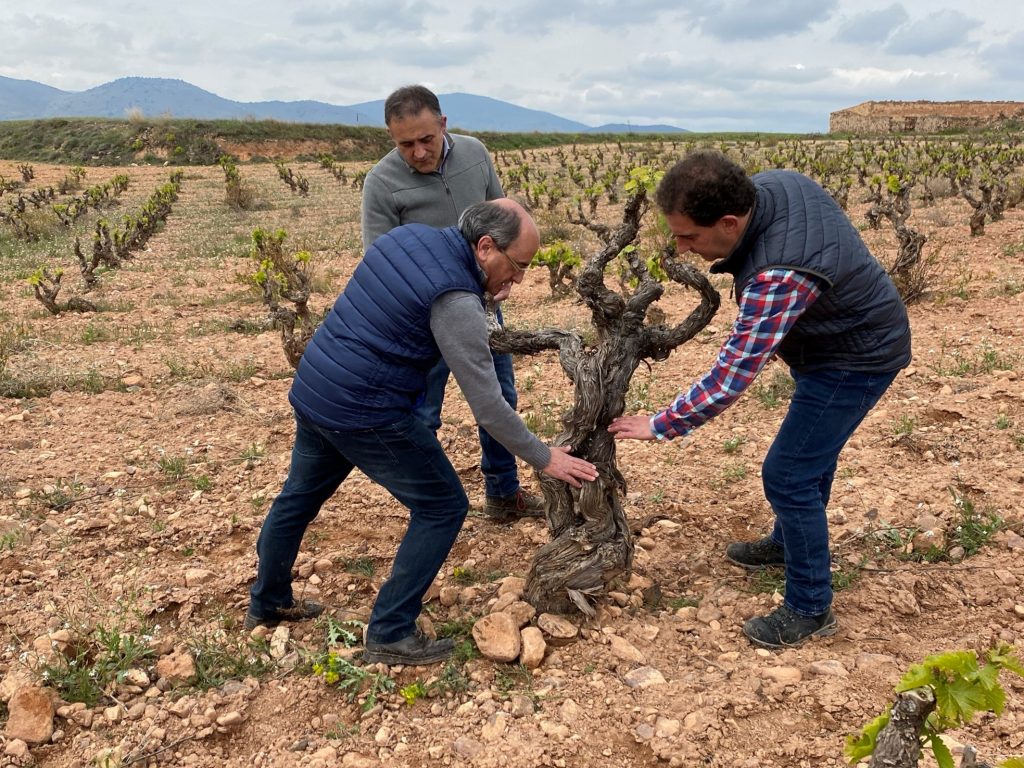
pixel 859 323
pixel 366 365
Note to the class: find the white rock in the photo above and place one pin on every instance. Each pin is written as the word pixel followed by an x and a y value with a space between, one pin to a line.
pixel 533 647
pixel 497 636
pixel 625 650
pixel 644 677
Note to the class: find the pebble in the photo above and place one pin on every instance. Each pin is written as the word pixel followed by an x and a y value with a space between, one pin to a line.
pixel 828 668
pixel 783 675
pixel 644 677
pixel 625 650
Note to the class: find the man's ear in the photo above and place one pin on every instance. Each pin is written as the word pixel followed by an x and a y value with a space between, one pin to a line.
pixel 444 123
pixel 730 223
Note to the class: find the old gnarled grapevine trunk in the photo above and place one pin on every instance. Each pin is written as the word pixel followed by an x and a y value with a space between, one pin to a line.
pixel 591 543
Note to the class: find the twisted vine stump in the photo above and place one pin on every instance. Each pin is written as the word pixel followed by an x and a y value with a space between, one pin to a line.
pixel 899 742
pixel 591 544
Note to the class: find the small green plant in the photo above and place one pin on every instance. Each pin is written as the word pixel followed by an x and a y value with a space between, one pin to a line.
pixel 94 662
pixel 93 334
pixel 732 444
pixel 768 581
pixel 904 425
pixel 253 452
pixel 734 473
pixel 513 677
pixel 973 528
pixel 844 577
pixel 361 566
pixel 62 494
pixel 9 541
pixel 561 261
pixel 173 466
pixel 683 602
pixel 777 390
pixel 202 483
pixel 960 687
pixel 464 576
pixel 221 656
pixel 1003 421
pixel 337 670
pixel 412 692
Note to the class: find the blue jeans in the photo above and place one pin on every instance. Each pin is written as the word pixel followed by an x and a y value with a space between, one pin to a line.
pixel 405 458
pixel 497 464
pixel 797 473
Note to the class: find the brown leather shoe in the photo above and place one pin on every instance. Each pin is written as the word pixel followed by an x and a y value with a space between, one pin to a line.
pixel 514 507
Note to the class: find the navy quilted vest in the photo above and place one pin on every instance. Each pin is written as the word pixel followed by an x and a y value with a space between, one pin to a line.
pixel 366 364
pixel 860 322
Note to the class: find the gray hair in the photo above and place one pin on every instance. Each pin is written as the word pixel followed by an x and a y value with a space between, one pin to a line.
pixel 488 218
pixel 410 100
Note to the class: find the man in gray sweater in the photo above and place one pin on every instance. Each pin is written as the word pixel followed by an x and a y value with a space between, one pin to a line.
pixel 431 177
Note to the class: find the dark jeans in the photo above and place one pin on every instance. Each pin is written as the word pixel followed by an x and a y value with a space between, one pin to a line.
pixel 405 458
pixel 496 463
pixel 797 473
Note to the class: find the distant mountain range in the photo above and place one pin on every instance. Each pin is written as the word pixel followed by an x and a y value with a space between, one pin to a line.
pixel 154 96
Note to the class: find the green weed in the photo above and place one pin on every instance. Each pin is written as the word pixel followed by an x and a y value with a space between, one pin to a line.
pixel 221 656
pixel 361 566
pixel 732 444
pixel 777 390
pixel 904 425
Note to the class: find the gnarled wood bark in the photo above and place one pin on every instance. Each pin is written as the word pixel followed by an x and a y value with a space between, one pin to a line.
pixel 899 742
pixel 591 544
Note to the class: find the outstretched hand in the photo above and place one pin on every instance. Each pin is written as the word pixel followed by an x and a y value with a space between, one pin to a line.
pixel 631 428
pixel 568 468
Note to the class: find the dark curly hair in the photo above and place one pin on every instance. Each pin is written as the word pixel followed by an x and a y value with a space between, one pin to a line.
pixel 705 186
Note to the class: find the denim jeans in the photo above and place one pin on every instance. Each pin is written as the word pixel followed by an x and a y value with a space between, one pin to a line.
pixel 496 463
pixel 405 458
pixel 826 408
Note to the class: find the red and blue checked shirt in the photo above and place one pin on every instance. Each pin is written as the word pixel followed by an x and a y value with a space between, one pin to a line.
pixel 769 306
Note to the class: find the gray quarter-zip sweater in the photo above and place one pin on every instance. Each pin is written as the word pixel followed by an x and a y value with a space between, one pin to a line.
pixel 394 193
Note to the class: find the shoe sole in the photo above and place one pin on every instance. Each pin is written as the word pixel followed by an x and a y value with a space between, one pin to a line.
pixel 251 622
pixel 392 659
pixel 751 567
pixel 827 631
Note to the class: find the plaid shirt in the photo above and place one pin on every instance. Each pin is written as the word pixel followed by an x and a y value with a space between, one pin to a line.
pixel 770 305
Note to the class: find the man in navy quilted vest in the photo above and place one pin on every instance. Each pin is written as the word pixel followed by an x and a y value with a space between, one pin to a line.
pixel 810 292
pixel 431 177
pixel 417 296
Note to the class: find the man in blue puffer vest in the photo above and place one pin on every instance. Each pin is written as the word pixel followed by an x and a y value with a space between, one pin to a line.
pixel 810 292
pixel 417 296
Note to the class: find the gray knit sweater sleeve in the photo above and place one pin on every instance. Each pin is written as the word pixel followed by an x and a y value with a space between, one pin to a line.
pixel 459 325
pixel 379 214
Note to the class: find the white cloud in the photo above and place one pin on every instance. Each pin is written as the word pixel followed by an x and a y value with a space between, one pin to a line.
pixel 871 27
pixel 712 65
pixel 935 33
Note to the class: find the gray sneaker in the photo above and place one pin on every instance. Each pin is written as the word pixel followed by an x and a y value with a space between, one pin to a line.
pixel 755 555
pixel 416 649
pixel 784 628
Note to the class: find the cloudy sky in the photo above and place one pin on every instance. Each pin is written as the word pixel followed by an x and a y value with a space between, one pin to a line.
pixel 711 65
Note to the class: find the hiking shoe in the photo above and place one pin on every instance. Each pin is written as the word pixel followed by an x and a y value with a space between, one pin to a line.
pixel 520 504
pixel 783 628
pixel 416 649
pixel 303 610
pixel 754 555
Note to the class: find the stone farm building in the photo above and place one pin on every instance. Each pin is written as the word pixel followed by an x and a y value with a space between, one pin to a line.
pixel 923 116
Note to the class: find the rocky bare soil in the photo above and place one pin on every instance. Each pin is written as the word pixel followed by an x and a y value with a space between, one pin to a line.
pixel 132 493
